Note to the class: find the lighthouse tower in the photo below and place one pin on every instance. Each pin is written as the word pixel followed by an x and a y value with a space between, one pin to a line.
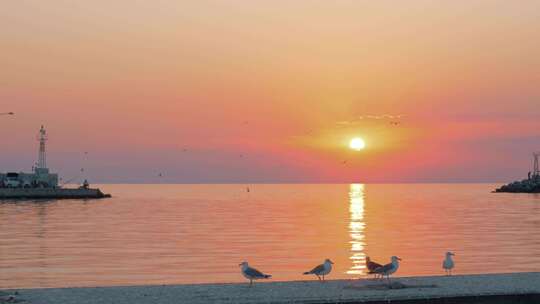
pixel 41 167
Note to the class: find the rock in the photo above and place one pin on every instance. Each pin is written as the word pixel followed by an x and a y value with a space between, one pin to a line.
pixel 524 186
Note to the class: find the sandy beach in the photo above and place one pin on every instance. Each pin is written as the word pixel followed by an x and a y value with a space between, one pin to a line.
pixel 523 287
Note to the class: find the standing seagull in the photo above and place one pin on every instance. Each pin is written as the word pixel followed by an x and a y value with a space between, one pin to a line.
pixel 371 266
pixel 321 270
pixel 252 273
pixel 388 269
pixel 448 263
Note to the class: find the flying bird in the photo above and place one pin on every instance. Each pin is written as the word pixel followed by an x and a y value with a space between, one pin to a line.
pixel 448 263
pixel 371 266
pixel 388 269
pixel 322 269
pixel 251 273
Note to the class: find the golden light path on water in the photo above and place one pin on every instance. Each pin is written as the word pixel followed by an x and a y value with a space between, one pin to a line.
pixel 356 230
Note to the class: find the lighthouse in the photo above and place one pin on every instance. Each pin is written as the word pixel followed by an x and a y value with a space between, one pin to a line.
pixel 41 167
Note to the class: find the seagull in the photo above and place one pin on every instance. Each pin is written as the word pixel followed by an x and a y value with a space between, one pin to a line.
pixel 448 263
pixel 252 273
pixel 321 270
pixel 371 266
pixel 388 269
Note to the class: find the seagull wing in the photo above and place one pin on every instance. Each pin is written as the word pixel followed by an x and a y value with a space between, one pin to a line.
pixel 254 273
pixel 383 269
pixel 317 269
pixel 372 266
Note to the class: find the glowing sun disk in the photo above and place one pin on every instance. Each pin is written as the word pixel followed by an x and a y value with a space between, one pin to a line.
pixel 357 144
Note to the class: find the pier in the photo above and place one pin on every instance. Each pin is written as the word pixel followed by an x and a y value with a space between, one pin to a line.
pixel 41 183
pixel 51 193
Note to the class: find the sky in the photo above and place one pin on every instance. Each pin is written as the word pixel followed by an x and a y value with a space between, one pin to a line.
pixel 271 91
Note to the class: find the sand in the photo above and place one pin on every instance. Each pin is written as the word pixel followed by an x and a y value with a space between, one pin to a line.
pixel 334 291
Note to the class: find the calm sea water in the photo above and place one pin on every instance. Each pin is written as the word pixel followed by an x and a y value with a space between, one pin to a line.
pixel 168 234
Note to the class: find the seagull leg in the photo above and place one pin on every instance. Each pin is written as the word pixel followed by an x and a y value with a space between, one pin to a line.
pixel 318 277
pixel 323 277
pixel 250 282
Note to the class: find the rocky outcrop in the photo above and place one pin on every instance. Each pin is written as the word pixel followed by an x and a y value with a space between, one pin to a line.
pixel 525 186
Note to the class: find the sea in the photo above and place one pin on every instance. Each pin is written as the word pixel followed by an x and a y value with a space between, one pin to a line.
pixel 184 234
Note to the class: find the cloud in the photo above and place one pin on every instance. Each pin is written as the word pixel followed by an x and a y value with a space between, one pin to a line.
pixel 361 118
pixel 383 116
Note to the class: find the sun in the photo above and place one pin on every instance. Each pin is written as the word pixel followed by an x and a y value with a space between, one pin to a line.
pixel 357 144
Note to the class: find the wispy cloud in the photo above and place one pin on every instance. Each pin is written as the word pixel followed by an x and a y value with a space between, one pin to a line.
pixel 383 116
pixel 361 118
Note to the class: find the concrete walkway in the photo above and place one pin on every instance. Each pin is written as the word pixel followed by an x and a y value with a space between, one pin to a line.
pixel 437 289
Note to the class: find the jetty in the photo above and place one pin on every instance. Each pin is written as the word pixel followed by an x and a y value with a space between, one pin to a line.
pixel 529 185
pixel 51 193
pixel 483 288
pixel 41 183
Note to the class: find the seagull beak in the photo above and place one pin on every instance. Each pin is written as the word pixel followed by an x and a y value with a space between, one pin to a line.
pixel 240 264
pixel 399 259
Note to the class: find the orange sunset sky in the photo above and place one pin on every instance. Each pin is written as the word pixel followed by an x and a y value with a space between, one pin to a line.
pixel 272 91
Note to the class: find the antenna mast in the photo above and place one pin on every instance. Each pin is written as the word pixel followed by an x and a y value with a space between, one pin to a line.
pixel 536 170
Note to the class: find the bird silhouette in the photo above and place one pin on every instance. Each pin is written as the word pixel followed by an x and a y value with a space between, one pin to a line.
pixel 322 269
pixel 371 266
pixel 448 263
pixel 388 269
pixel 251 273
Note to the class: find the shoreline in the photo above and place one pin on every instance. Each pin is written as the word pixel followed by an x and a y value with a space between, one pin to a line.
pixel 483 288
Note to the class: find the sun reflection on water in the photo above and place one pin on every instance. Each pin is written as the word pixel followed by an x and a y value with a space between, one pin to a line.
pixel 356 230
